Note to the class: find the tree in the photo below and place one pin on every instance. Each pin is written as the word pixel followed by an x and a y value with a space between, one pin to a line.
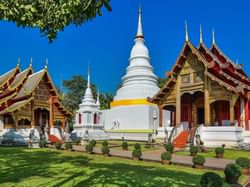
pixel 105 100
pixel 51 16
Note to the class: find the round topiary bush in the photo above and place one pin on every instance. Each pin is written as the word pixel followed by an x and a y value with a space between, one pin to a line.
pixel 194 150
pixel 125 145
pixel 137 153
pixel 68 145
pixel 89 148
pixel 137 146
pixel 232 173
pixel 243 162
pixel 219 150
pixel 92 142
pixel 199 160
pixel 166 156
pixel 58 145
pixel 211 179
pixel 105 150
pixel 169 148
pixel 105 144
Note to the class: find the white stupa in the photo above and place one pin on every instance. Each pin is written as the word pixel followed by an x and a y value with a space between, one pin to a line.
pixel 131 114
pixel 89 118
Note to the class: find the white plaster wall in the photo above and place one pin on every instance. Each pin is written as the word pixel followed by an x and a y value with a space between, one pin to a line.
pixel 137 117
pixel 165 118
pixel 216 136
pixel 1 124
pixel 246 135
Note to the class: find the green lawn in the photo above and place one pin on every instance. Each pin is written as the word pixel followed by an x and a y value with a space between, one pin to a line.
pixel 228 154
pixel 47 167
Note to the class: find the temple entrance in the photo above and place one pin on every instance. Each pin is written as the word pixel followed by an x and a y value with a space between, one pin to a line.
pixel 41 118
pixel 200 116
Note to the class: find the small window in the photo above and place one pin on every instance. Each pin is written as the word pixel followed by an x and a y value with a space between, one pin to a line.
pixel 185 79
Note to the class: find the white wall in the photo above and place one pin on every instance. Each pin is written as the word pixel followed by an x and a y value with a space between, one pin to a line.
pixel 130 117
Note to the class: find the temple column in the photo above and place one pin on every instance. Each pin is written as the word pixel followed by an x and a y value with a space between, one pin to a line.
pixel 51 112
pixel 178 101
pixel 242 112
pixel 232 103
pixel 64 123
pixel 246 115
pixel 207 103
pixel 32 114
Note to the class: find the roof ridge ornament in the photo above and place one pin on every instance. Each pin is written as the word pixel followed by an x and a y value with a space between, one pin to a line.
pixel 201 39
pixel 186 30
pixel 46 63
pixel 139 28
pixel 213 35
pixel 31 61
pixel 18 62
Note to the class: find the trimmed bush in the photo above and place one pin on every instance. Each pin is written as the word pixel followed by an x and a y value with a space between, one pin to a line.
pixel 89 148
pixel 105 150
pixel 137 153
pixel 219 150
pixel 68 145
pixel 211 179
pixel 166 156
pixel 125 145
pixel 58 145
pixel 169 147
pixel 199 159
pixel 243 162
pixel 194 149
pixel 92 142
pixel 232 173
pixel 42 143
pixel 137 146
pixel 105 144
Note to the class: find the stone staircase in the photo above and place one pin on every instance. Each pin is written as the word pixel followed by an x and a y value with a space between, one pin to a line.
pixel 181 140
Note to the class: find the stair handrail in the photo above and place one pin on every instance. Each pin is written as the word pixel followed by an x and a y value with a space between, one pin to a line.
pixel 191 135
pixel 175 132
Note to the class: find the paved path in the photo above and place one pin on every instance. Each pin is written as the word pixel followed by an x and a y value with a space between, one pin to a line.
pixel 155 156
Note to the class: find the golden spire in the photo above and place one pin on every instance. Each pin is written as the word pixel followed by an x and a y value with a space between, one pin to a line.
pixel 186 29
pixel 18 62
pixel 31 62
pixel 46 63
pixel 201 40
pixel 213 37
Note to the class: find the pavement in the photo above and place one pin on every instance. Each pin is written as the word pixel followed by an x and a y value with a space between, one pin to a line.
pixel 155 156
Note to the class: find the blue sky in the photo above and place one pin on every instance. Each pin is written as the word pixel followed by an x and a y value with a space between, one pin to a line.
pixel 107 41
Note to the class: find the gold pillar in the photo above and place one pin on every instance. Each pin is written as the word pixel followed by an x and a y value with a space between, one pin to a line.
pixel 160 116
pixel 232 103
pixel 51 112
pixel 32 114
pixel 178 101
pixel 206 102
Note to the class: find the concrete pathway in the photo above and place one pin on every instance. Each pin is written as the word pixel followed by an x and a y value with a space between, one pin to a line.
pixel 155 156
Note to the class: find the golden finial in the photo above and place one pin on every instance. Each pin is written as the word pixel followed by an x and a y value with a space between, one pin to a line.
pixel 201 40
pixel 46 63
pixel 186 29
pixel 31 62
pixel 213 37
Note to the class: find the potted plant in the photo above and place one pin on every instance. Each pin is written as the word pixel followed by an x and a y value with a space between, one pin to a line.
pixel 125 145
pixel 211 179
pixel 166 157
pixel 68 146
pixel 89 148
pixel 232 173
pixel 219 152
pixel 199 161
pixel 136 154
pixel 105 150
pixel 194 150
pixel 169 148
pixel 58 145
pixel 244 163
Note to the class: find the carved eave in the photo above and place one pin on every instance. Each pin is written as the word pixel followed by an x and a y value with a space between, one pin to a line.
pixel 6 78
pixel 16 106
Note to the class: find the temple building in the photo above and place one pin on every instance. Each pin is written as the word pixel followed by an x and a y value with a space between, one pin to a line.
pixel 131 115
pixel 29 100
pixel 89 121
pixel 208 93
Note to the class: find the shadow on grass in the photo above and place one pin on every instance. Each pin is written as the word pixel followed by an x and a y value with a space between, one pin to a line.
pixel 18 165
